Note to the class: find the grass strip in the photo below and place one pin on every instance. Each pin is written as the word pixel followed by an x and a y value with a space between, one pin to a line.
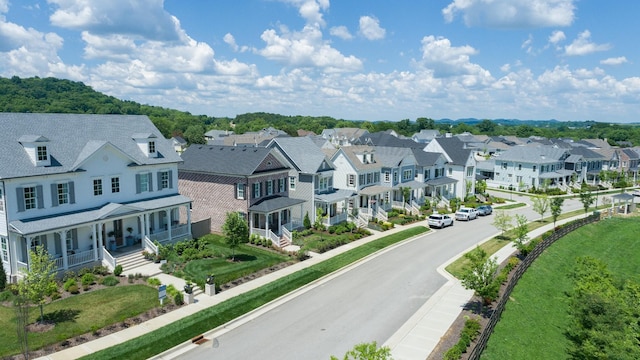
pixel 182 330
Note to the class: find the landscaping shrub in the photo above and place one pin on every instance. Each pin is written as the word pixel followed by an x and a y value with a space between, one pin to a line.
pixel 154 282
pixel 131 278
pixel 73 289
pixel 469 332
pixel 6 295
pixel 88 279
pixel 178 299
pixel 110 280
pixel 3 278
pixel 70 274
pixel 118 270
pixel 69 283
pixel 100 270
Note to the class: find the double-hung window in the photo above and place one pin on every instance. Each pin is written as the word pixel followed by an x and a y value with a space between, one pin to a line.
pixel 115 184
pixel 42 153
pixel 4 248
pixel 256 190
pixel 281 185
pixel 351 180
pixel 407 175
pixel 63 193
pixel 164 180
pixel 143 183
pixel 240 191
pixel 97 187
pixel 387 176
pixel 269 187
pixel 292 182
pixel 30 198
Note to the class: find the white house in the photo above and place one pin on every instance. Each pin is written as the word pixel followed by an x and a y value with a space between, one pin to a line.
pixel 85 187
pixel 461 166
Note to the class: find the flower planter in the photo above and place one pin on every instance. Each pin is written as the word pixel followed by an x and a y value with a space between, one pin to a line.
pixel 188 298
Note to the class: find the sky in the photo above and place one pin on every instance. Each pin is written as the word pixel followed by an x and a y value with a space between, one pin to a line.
pixel 570 60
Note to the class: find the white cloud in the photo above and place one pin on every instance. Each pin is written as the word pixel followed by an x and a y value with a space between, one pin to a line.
pixel 145 19
pixel 582 45
pixel 231 41
pixel 311 10
pixel 370 28
pixel 4 6
pixel 306 48
pixel 512 13
pixel 446 60
pixel 341 32
pixel 527 44
pixel 556 37
pixel 614 61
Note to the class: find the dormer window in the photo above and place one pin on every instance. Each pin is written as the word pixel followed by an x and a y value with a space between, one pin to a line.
pixel 152 148
pixel 42 153
pixel 147 144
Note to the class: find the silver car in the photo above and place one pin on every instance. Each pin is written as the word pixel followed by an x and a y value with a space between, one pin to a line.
pixel 466 214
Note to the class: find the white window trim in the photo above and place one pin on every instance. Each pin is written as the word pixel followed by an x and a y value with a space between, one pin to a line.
pixel 292 183
pixel 93 186
pixel 240 191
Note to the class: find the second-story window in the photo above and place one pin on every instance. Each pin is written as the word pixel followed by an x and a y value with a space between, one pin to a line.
pixel 395 176
pixel 292 182
pixel 30 199
pixel 240 191
pixel 97 187
pixel 351 180
pixel 407 175
pixel 256 190
pixel 281 185
pixel 115 184
pixel 519 166
pixel 534 168
pixel 269 187
pixel 63 193
pixel 143 183
pixel 164 180
pixel 1 202
pixel 427 174
pixel 387 176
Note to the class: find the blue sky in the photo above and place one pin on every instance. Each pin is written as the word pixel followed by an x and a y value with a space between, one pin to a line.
pixel 350 59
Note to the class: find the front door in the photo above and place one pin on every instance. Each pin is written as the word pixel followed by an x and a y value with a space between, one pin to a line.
pixel 117 229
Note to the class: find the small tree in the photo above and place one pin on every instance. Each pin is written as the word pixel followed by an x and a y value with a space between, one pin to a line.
pixel 586 197
pixel 502 221
pixel 40 279
pixel 480 275
pixel 306 222
pixel 367 351
pixel 236 232
pixel 481 187
pixel 3 278
pixel 541 205
pixel 319 223
pixel 556 209
pixel 522 233
pixel 406 194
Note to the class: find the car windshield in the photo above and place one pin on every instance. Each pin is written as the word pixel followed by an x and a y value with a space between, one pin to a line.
pixel 435 217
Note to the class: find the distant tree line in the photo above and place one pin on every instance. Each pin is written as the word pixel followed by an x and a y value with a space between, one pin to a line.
pixel 51 95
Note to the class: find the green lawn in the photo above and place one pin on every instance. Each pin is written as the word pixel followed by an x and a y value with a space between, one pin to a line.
pixel 249 259
pixel 169 336
pixel 535 318
pixel 78 314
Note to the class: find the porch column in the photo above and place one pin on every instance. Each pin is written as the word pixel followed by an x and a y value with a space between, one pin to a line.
pixel 99 235
pixel 143 226
pixel 29 241
pixel 170 222
pixel 63 240
pixel 189 219
pixel 94 236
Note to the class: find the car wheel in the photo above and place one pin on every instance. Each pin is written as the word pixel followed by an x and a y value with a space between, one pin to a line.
pixel 451 224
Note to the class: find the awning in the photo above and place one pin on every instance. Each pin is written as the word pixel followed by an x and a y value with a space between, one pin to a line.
pixel 274 204
pixel 374 190
pixel 441 181
pixel 335 195
pixel 108 211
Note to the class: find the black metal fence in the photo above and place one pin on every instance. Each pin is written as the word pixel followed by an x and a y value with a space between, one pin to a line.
pixel 483 338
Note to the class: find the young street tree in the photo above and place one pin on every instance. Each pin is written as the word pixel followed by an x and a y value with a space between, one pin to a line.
pixel 236 232
pixel 556 209
pixel 367 351
pixel 40 279
pixel 522 234
pixel 480 275
pixel 502 221
pixel 586 197
pixel 541 205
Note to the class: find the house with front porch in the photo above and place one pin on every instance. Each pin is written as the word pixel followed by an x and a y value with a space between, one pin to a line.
pixel 523 167
pixel 313 171
pixel 461 166
pixel 254 182
pixel 430 173
pixel 85 187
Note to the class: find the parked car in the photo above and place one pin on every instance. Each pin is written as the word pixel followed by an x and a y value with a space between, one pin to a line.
pixel 440 221
pixel 466 214
pixel 484 210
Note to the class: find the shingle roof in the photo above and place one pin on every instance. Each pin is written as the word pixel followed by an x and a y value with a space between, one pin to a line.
pixel 220 159
pixel 454 148
pixel 303 152
pixel 71 137
pixel 382 138
pixel 424 158
pixel 351 152
pixel 391 156
pixel 586 153
pixel 532 154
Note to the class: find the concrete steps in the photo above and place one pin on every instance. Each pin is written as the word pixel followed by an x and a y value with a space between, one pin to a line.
pixel 132 261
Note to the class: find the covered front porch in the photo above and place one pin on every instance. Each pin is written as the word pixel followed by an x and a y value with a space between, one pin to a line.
pixel 271 219
pixel 442 188
pixel 334 205
pixel 92 237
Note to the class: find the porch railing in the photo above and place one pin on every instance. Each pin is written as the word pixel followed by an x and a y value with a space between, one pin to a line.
pixel 178 233
pixel 286 234
pixel 22 267
pixel 275 239
pixel 415 208
pixel 148 244
pixel 267 234
pixel 337 219
pixel 107 259
pixel 382 215
pixel 80 258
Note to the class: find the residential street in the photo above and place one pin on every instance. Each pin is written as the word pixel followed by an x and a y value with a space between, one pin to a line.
pixel 366 303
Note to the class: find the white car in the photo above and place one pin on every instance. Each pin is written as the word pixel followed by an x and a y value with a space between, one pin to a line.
pixel 466 214
pixel 440 221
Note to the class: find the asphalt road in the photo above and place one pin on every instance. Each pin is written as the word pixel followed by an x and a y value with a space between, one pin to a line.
pixel 368 302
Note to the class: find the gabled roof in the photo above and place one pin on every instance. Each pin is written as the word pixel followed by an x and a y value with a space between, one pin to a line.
pixel 352 152
pixel 586 153
pixel 383 138
pixel 303 152
pixel 347 133
pixel 425 158
pixel 426 134
pixel 217 133
pixel 224 160
pixel 632 155
pixel 455 149
pixel 70 137
pixel 595 143
pixel 392 156
pixel 179 140
pixel 532 154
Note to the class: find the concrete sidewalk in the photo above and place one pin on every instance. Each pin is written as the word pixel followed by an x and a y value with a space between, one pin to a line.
pixel 419 336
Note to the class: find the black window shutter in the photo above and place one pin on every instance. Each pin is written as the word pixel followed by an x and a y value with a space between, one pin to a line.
pixel 39 197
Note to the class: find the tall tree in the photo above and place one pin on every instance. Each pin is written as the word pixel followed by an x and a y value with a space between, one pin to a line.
pixel 541 205
pixel 556 209
pixel 40 279
pixel 236 232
